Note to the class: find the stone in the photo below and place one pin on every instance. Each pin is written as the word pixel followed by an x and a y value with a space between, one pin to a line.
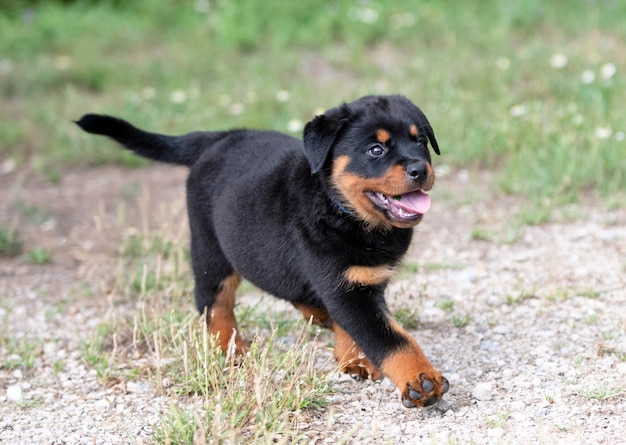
pixel 15 394
pixel 483 391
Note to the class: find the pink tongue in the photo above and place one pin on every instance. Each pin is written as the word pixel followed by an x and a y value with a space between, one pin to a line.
pixel 417 202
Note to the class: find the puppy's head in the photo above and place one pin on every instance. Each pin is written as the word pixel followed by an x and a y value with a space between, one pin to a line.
pixel 375 152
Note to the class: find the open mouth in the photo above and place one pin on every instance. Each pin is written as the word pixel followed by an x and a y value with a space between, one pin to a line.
pixel 402 208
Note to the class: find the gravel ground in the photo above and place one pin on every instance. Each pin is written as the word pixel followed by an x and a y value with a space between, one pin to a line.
pixel 530 329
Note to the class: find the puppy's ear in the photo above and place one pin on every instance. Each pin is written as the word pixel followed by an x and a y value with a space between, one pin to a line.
pixel 320 134
pixel 431 137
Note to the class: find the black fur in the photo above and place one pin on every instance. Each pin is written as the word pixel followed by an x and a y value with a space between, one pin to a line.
pixel 266 205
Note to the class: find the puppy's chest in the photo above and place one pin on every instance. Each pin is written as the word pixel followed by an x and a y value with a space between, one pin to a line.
pixel 376 249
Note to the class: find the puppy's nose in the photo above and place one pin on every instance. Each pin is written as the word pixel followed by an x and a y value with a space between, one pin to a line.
pixel 417 171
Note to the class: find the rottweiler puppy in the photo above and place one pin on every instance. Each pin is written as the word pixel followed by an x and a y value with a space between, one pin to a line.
pixel 322 223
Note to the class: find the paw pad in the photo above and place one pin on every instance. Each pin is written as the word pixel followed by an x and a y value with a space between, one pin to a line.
pixel 414 395
pixel 409 400
pixel 421 393
pixel 427 385
pixel 431 401
pixel 408 404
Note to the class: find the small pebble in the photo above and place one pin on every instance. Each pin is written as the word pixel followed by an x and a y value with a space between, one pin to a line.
pixel 483 391
pixel 337 398
pixel 489 346
pixel 15 394
pixel 542 412
pixel 136 387
pixel 102 404
pixel 443 406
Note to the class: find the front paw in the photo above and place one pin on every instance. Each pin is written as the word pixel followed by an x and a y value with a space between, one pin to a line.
pixel 419 383
pixel 426 390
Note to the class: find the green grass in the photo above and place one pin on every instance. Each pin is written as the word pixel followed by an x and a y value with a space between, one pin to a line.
pixel 256 397
pixel 489 77
pixel 520 295
pixel 18 352
pixel 154 334
pixel 498 420
pixel 461 319
pixel 10 243
pixel 96 356
pixel 601 391
pixel 40 255
pixel 407 317
pixel 267 388
pixel 32 213
pixel 445 305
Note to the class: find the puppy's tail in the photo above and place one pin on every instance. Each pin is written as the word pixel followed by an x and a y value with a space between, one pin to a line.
pixel 183 150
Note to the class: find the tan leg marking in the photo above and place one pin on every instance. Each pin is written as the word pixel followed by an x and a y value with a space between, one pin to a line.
pixel 222 322
pixel 319 317
pixel 349 356
pixel 420 384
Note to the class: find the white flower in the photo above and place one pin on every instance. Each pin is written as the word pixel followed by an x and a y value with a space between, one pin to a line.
pixel 224 100
pixel 295 125
pixel 558 61
pixel 604 132
pixel 251 97
pixel 619 136
pixel 63 62
pixel 282 96
pixel 201 6
pixel 607 71
pixel 148 93
pixel 588 76
pixel 178 97
pixel 7 166
pixel 503 63
pixel 517 110
pixel 236 109
pixel 577 119
pixel 365 15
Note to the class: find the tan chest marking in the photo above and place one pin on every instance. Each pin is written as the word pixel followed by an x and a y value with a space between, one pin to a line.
pixel 368 275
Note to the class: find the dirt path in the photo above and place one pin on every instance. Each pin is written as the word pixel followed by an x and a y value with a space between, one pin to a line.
pixel 530 328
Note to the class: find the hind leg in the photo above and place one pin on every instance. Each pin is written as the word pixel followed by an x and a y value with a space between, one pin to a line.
pixel 216 282
pixel 221 317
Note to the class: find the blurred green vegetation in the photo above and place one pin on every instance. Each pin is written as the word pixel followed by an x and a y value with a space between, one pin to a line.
pixel 532 90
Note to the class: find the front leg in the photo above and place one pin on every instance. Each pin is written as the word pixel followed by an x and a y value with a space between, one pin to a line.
pixel 350 359
pixel 420 384
pixel 361 311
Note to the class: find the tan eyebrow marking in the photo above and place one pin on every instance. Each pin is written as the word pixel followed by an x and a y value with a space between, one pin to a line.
pixel 382 136
pixel 413 130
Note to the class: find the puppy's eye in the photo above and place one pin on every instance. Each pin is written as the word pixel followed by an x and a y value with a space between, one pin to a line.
pixel 376 151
